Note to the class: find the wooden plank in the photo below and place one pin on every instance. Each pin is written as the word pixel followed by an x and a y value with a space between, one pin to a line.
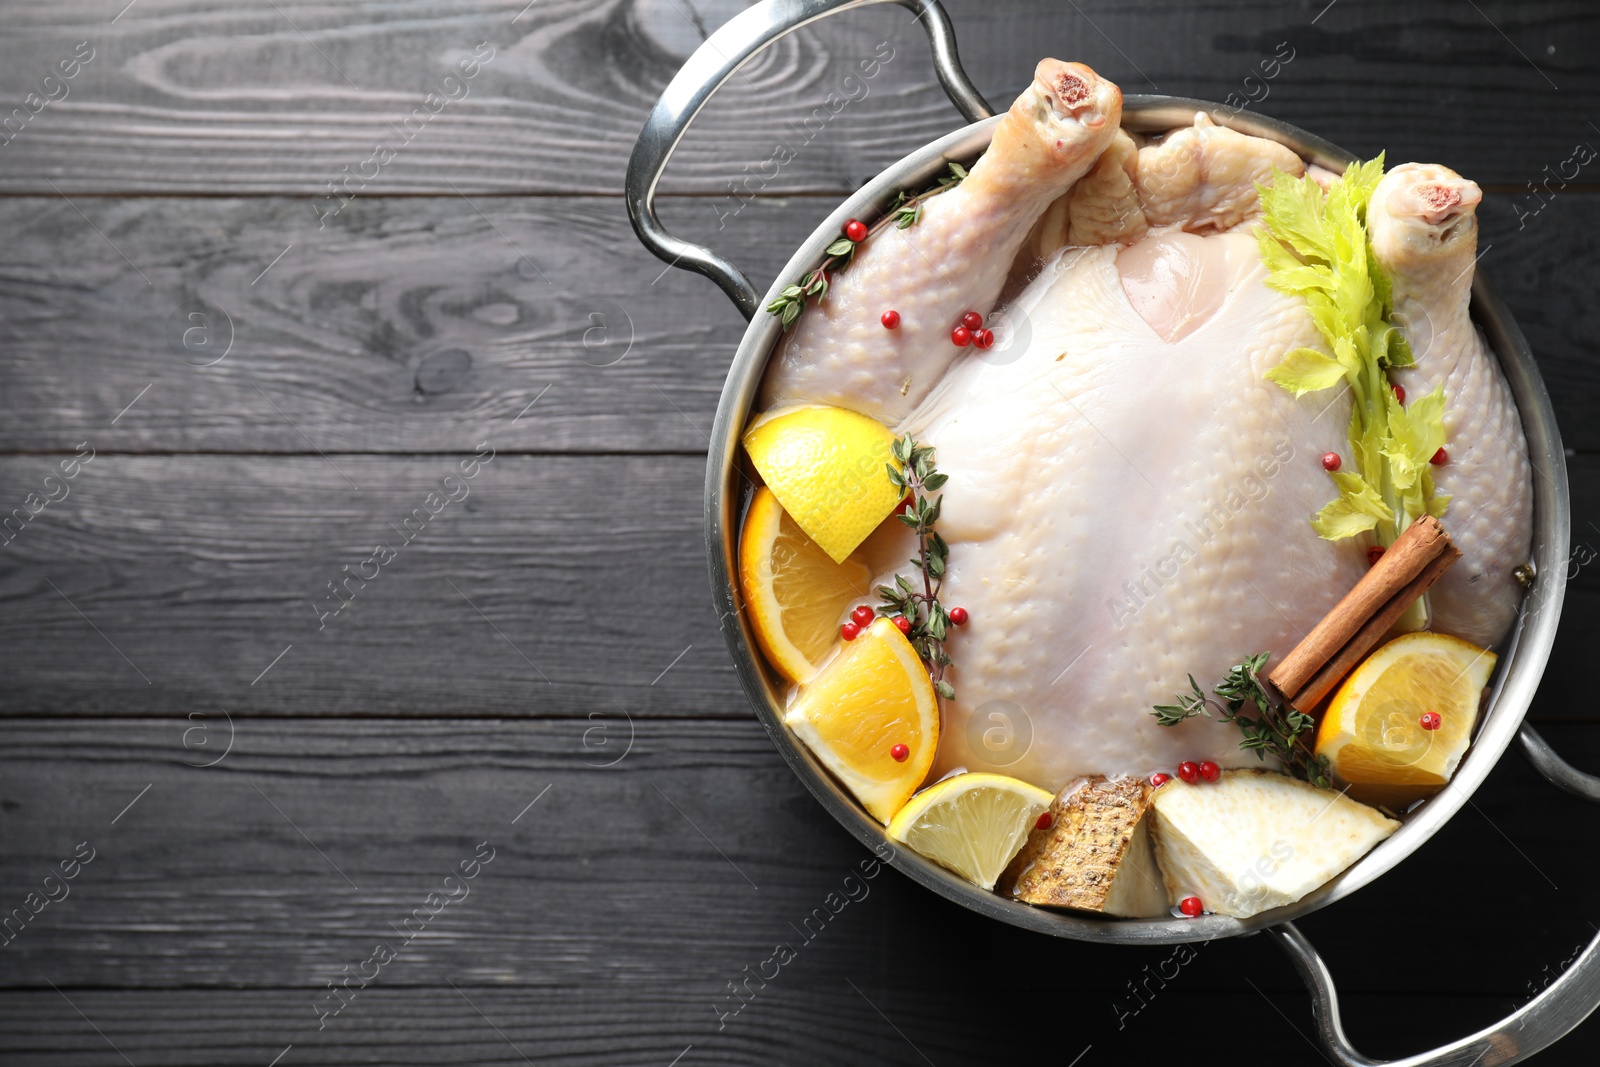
pixel 1532 253
pixel 977 1021
pixel 309 842
pixel 554 586
pixel 209 97
pixel 418 325
pixel 414 325
pixel 202 569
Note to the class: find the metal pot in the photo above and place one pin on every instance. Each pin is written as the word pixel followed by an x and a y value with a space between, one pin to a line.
pixel 1568 1000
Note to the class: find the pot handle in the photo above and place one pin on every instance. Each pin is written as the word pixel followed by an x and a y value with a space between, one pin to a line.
pixel 1558 771
pixel 723 53
pixel 1541 1022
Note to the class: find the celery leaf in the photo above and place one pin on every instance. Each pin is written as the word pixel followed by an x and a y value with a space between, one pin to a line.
pixel 1316 246
pixel 1305 370
pixel 1359 508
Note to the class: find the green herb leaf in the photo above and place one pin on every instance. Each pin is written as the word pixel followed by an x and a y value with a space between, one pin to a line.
pixel 906 211
pixel 1280 729
pixel 1359 508
pixel 930 622
pixel 1305 370
pixel 1317 247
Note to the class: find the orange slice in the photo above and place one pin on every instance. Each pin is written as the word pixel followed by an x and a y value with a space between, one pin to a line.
pixel 1373 733
pixel 794 594
pixel 873 696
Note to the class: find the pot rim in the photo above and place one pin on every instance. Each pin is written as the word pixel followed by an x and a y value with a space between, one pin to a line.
pixel 1524 655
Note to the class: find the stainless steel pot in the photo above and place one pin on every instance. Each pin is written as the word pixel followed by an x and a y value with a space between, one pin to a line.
pixel 1569 999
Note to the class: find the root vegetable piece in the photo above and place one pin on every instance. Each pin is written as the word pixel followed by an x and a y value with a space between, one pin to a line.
pixel 1095 855
pixel 1257 840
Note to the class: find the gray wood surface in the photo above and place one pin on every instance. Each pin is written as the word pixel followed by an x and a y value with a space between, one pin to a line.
pixel 207 97
pixel 344 362
pixel 415 324
pixel 824 1021
pixel 556 585
pixel 411 324
pixel 642 887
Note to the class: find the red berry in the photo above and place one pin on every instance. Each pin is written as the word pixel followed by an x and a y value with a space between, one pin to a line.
pixel 1158 779
pixel 958 616
pixel 862 616
pixel 1440 458
pixel 1430 720
pixel 961 337
pixel 983 339
pixel 890 320
pixel 856 230
pixel 904 624
pixel 849 631
pixel 972 320
pixel 1046 820
pixel 1191 906
pixel 1399 392
pixel 900 753
pixel 1189 771
pixel 1331 461
pixel 1374 554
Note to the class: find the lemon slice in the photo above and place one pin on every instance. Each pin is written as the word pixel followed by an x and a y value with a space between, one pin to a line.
pixel 871 697
pixel 794 594
pixel 971 823
pixel 1373 733
pixel 828 468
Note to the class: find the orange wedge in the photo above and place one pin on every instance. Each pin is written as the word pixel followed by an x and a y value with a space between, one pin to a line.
pixel 1373 733
pixel 795 595
pixel 873 696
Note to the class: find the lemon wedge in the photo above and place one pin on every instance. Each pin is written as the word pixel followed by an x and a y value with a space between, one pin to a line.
pixel 828 468
pixel 971 823
pixel 872 697
pixel 1373 733
pixel 794 594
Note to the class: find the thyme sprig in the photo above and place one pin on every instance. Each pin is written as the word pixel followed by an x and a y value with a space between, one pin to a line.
pixel 905 212
pixel 930 622
pixel 1279 729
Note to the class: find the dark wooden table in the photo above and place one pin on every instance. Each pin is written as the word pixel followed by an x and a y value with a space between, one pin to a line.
pixel 283 346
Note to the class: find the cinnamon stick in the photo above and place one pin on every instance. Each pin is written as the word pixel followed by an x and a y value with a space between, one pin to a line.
pixel 1394 574
pixel 1367 637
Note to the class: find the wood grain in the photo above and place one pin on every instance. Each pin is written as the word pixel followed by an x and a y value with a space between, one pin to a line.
pixel 421 325
pixel 199 96
pixel 407 325
pixel 644 1027
pixel 587 571
pixel 372 353
pixel 557 586
pixel 667 873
